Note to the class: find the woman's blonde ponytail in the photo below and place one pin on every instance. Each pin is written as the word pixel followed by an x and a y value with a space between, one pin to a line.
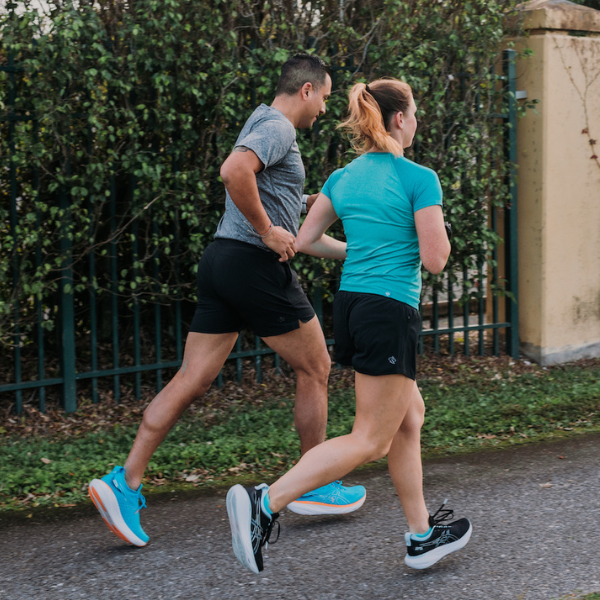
pixel 370 109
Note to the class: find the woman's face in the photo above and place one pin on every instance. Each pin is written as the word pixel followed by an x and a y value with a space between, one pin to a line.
pixel 408 125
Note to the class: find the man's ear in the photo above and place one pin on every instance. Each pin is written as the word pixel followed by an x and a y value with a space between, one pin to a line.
pixel 306 88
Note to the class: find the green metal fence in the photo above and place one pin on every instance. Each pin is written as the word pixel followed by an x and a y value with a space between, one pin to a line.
pixel 455 325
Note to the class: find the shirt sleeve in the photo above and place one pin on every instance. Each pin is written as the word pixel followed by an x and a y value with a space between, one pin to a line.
pixel 427 191
pixel 327 189
pixel 270 140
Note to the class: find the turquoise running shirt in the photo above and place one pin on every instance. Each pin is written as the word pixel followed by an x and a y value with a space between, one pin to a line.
pixel 376 196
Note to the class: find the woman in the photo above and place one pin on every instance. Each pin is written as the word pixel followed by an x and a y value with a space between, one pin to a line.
pixel 391 209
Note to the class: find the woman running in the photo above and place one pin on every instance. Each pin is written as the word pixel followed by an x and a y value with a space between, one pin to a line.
pixel 391 210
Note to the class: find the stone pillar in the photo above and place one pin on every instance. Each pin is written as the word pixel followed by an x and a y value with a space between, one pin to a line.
pixel 559 183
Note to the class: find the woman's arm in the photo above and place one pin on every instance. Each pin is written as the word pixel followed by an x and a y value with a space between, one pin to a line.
pixel 311 238
pixel 434 246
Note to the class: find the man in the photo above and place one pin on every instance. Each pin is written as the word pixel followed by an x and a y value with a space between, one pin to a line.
pixel 244 279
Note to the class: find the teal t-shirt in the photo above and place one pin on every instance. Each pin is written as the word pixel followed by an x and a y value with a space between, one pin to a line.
pixel 376 196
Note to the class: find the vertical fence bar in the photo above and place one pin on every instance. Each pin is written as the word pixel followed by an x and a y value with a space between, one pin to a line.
pixel 38 300
pixel 510 149
pixel 420 345
pixel 466 308
pixel 277 362
pixel 257 360
pixel 238 361
pixel 13 227
pixel 114 284
pixel 481 309
pixel 157 320
pixel 92 279
pixel 450 315
pixel 137 380
pixel 495 333
pixel 66 302
pixel 93 306
pixel 436 321
pixel 318 293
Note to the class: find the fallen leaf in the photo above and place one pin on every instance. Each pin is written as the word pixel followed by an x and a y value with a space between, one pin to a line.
pixel 46 461
pixel 561 456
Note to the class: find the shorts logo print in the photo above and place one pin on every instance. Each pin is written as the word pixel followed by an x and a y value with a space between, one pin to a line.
pixel 392 359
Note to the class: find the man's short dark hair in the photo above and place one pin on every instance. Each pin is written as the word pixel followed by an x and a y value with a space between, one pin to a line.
pixel 301 69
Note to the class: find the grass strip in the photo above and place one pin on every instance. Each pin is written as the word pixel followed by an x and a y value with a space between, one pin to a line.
pixel 477 408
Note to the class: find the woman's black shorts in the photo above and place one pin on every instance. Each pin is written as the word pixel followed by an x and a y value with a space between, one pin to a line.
pixel 376 335
pixel 243 286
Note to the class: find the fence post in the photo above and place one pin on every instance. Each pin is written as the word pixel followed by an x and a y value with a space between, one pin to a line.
pixel 510 149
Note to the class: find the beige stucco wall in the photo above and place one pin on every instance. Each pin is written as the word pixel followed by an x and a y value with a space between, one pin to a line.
pixel 559 184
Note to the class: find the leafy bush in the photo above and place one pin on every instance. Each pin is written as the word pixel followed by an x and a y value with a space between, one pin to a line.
pixel 127 110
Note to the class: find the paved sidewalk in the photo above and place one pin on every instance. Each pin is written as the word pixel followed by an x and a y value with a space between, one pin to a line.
pixel 535 511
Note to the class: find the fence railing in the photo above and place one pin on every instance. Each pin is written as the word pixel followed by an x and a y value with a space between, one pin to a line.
pixel 452 325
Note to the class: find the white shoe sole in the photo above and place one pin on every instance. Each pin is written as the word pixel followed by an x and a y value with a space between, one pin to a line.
pixel 107 504
pixel 433 556
pixel 239 511
pixel 303 507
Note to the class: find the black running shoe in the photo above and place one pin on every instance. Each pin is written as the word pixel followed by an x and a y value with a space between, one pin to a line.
pixel 250 527
pixel 442 540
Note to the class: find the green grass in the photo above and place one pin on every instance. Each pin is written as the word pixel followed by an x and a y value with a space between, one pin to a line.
pixel 475 409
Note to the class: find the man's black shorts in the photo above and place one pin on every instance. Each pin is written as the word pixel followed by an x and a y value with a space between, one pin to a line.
pixel 376 335
pixel 243 286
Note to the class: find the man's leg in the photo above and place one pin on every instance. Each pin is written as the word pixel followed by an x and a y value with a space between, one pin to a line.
pixel 204 356
pixel 117 495
pixel 304 349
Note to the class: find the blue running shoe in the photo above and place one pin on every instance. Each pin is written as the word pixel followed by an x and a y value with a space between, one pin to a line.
pixel 332 499
pixel 120 506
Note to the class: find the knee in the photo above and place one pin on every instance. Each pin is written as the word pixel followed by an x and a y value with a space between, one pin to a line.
pixel 315 370
pixel 415 417
pixel 376 448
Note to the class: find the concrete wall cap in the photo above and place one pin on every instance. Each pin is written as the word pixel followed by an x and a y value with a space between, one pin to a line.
pixel 559 15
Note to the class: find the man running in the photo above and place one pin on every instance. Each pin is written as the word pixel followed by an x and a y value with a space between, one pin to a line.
pixel 244 280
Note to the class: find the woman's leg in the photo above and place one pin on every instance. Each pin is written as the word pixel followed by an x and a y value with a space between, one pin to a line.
pixel 404 463
pixel 381 403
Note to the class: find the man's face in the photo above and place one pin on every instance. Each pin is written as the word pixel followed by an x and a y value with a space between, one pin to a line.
pixel 314 103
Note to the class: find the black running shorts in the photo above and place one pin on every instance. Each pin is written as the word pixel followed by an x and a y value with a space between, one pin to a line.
pixel 376 335
pixel 243 286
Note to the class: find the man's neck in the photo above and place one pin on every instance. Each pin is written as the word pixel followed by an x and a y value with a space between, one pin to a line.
pixel 287 106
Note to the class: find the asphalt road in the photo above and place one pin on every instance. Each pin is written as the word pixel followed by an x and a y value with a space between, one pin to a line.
pixel 536 519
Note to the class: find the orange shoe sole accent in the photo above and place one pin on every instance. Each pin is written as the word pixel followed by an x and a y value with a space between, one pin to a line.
pixel 325 504
pixel 98 503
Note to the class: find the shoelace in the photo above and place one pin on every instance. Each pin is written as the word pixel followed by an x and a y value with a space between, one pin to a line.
pixel 141 498
pixel 142 504
pixel 266 538
pixel 445 514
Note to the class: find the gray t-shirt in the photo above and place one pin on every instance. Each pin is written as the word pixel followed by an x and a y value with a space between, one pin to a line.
pixel 272 137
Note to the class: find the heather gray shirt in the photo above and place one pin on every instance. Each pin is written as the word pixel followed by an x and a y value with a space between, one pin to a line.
pixel 272 137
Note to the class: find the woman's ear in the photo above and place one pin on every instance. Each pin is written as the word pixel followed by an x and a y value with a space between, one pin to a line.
pixel 399 120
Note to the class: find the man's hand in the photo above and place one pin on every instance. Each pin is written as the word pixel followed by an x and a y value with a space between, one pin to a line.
pixel 311 200
pixel 280 240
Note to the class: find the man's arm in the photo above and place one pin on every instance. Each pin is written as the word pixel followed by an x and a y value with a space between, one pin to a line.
pixel 238 173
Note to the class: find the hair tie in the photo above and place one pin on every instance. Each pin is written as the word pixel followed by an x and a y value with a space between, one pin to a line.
pixel 367 88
